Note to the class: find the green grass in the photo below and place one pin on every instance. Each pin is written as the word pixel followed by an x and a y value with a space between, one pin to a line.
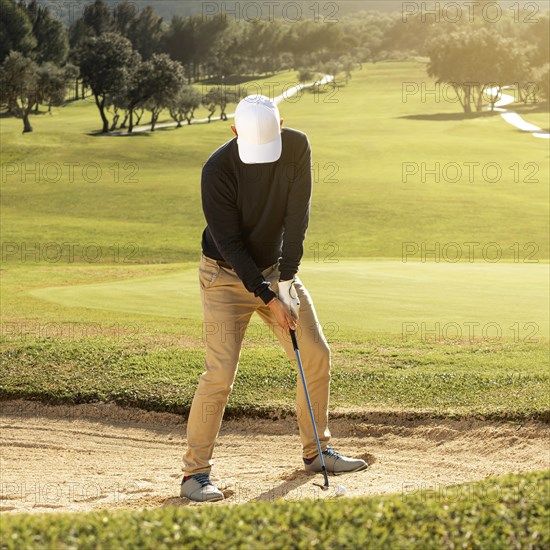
pixel 501 513
pixel 138 341
pixel 393 297
pixel 534 113
pixel 361 136
pixel 143 309
pixel 542 120
pixel 489 381
pixel 126 328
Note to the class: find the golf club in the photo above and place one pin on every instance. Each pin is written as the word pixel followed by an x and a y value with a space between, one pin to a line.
pixel 298 358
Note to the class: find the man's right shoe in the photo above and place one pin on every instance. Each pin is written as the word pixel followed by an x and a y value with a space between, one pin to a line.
pixel 199 488
pixel 335 463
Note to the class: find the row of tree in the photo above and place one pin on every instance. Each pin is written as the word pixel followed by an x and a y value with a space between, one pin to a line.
pixel 472 61
pixel 135 61
pixel 123 82
pixel 121 79
pixel 24 85
pixel 205 46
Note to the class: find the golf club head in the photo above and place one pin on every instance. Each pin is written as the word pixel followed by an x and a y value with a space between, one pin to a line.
pixel 325 485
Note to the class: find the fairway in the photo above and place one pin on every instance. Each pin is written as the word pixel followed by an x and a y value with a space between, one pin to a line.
pixel 372 185
pixel 439 362
pixel 375 296
pixel 388 161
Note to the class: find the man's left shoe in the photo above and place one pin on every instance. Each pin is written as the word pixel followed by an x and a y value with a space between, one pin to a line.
pixel 335 463
pixel 199 488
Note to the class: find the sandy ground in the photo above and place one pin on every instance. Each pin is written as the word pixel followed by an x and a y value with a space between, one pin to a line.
pixel 91 457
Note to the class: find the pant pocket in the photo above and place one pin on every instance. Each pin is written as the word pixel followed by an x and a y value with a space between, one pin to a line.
pixel 209 272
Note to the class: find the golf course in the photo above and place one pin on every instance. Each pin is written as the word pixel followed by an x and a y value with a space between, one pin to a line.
pixel 427 257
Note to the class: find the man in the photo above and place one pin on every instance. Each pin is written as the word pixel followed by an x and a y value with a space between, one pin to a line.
pixel 256 192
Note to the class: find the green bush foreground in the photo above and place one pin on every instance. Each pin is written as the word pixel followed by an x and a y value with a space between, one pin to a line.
pixel 511 511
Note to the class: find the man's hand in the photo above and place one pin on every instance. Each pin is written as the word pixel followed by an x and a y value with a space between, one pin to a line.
pixel 289 297
pixel 282 314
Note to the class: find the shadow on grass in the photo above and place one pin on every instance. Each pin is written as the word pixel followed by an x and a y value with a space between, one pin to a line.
pixel 148 133
pixel 450 116
pixel 538 107
pixel 233 80
pixel 535 109
pixel 99 133
pixel 33 113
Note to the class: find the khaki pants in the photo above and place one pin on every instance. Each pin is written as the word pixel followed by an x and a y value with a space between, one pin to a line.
pixel 228 307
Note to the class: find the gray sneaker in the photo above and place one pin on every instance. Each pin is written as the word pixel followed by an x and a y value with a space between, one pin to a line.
pixel 335 463
pixel 200 489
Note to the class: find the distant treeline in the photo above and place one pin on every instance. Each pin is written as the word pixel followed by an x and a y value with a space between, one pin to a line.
pixel 264 9
pixel 132 60
pixel 238 9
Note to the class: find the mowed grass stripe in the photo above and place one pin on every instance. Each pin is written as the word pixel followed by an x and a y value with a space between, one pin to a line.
pixel 494 301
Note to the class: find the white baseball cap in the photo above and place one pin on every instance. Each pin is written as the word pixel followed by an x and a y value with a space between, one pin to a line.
pixel 258 126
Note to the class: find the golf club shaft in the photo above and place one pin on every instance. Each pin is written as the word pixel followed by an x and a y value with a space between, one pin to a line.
pixel 301 368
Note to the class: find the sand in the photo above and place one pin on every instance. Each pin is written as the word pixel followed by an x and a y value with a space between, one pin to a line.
pixel 89 457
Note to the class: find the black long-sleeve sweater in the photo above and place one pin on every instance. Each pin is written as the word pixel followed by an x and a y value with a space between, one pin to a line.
pixel 257 214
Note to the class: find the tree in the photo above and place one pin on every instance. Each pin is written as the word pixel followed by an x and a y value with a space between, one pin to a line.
pixel 96 20
pixel 191 41
pixel 15 30
pixel 176 40
pixel 78 32
pixel 106 66
pixel 348 65
pixel 514 68
pixel 261 43
pixel 145 32
pixel 409 35
pixel 72 74
pixel 221 97
pixel 19 85
pixel 541 76
pixel 223 57
pixel 333 68
pixel 472 61
pixel 183 106
pixel 168 79
pixel 141 88
pixel 51 37
pixel 118 102
pixel 124 15
pixel 538 35
pixel 52 85
pixel 209 101
pixel 304 75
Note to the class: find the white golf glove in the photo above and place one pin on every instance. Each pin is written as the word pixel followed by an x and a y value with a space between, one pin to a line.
pixel 289 297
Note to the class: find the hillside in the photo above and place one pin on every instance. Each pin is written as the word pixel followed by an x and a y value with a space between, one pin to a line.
pixel 248 10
